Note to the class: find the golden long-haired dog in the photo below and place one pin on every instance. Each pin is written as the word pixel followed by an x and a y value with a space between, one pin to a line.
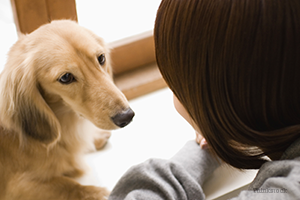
pixel 54 78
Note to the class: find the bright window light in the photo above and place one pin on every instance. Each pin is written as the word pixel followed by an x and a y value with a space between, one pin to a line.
pixel 116 19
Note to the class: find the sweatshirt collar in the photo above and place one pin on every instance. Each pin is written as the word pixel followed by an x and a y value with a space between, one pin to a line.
pixel 292 151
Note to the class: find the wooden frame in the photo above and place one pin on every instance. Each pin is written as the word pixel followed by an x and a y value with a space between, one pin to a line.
pixel 133 58
pixel 133 52
pixel 134 64
pixel 31 14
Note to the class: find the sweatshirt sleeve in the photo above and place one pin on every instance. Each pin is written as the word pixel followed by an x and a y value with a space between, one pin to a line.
pixel 179 178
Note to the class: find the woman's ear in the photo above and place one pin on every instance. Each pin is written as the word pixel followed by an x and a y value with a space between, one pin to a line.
pixel 22 107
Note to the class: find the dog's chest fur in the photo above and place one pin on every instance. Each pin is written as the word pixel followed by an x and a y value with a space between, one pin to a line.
pixel 63 159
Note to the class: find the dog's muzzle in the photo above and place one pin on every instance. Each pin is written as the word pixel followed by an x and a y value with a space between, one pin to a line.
pixel 123 118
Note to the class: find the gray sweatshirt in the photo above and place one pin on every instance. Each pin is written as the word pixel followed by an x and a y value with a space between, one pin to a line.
pixel 182 176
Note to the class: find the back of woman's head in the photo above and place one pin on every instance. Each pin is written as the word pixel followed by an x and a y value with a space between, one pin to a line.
pixel 235 67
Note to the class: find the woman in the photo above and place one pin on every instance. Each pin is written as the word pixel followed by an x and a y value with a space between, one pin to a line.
pixel 234 67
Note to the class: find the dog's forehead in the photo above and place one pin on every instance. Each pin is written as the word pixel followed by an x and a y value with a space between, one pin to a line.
pixel 83 42
pixel 67 35
pixel 64 43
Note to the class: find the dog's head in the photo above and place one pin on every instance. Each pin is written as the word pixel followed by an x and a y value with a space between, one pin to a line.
pixel 60 64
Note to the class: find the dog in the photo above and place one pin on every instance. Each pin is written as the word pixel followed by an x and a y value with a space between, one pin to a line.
pixel 55 78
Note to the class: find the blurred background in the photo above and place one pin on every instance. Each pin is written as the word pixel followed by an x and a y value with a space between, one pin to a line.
pixel 111 19
pixel 8 34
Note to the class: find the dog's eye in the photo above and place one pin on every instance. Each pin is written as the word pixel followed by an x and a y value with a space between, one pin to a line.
pixel 101 59
pixel 67 78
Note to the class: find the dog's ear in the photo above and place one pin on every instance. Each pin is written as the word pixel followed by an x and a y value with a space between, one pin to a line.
pixel 22 107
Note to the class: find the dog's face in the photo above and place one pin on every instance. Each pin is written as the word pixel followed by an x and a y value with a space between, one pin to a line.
pixel 71 65
pixel 77 68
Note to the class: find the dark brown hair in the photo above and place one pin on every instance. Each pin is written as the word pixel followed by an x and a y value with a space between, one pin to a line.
pixel 235 67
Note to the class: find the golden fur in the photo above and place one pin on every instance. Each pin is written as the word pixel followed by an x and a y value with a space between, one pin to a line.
pixel 40 145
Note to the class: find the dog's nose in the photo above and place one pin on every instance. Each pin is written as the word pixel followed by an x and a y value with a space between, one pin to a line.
pixel 123 118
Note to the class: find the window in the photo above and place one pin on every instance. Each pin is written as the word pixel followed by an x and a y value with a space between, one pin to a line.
pixel 117 19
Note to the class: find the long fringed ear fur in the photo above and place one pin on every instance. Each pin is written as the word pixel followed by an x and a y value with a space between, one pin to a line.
pixel 22 107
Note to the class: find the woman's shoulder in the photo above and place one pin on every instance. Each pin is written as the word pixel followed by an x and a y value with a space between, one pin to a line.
pixel 275 180
pixel 278 179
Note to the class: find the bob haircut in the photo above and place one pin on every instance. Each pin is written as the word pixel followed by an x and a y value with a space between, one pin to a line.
pixel 235 67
